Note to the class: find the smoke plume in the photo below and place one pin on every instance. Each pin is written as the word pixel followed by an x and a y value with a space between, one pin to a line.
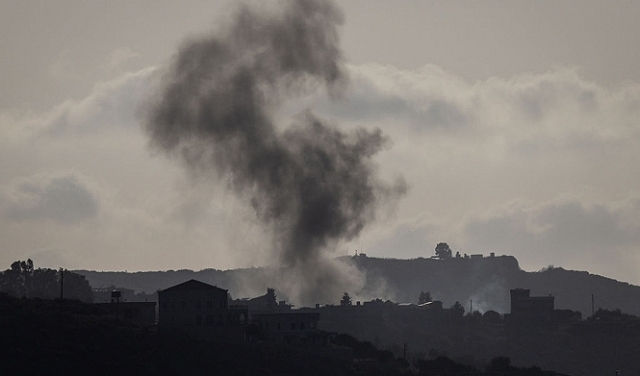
pixel 312 184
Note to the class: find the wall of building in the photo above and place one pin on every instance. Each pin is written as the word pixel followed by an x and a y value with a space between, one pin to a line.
pixel 289 327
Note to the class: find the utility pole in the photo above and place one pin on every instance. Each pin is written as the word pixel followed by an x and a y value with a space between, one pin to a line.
pixel 115 295
pixel 405 348
pixel 593 311
pixel 61 284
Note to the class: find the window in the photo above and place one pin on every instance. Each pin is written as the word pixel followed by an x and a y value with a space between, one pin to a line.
pixel 209 304
pixel 293 326
pixel 301 326
pixel 278 326
pixel 198 320
pixel 165 305
pixel 198 304
pixel 209 320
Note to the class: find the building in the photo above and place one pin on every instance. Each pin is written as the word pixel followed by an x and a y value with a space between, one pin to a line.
pixel 264 303
pixel 531 308
pixel 289 327
pixel 104 295
pixel 143 313
pixel 201 310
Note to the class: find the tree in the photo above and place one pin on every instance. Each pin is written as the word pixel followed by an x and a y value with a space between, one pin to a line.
pixel 271 298
pixel 46 284
pixel 457 309
pixel 499 364
pixel 18 280
pixel 425 297
pixel 22 280
pixel 346 300
pixel 443 251
pixel 76 286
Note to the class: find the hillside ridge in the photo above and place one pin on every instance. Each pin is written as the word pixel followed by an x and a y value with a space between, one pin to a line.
pixel 483 283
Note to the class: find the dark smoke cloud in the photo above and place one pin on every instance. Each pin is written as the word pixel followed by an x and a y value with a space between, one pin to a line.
pixel 312 184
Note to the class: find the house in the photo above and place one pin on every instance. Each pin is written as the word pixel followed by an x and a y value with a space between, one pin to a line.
pixel 531 308
pixel 104 295
pixel 522 303
pixel 289 327
pixel 143 313
pixel 264 303
pixel 201 310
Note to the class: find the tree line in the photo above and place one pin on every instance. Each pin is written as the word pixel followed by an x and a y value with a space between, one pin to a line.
pixel 23 280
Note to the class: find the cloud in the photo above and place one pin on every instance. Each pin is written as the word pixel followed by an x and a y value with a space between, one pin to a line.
pixel 569 232
pixel 405 238
pixel 558 104
pixel 384 93
pixel 563 147
pixel 119 57
pixel 80 181
pixel 542 166
pixel 111 105
pixel 65 199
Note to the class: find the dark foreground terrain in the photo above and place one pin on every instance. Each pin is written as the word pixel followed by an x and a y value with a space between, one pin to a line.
pixel 47 337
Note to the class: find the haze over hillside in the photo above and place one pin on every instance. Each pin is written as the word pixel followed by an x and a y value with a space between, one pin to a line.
pixel 481 282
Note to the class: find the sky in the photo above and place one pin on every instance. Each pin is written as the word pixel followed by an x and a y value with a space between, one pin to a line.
pixel 516 126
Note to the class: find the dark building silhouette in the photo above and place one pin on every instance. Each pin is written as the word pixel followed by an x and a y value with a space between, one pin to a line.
pixel 139 312
pixel 104 295
pixel 531 308
pixel 264 303
pixel 201 310
pixel 377 319
pixel 289 327
pixel 523 303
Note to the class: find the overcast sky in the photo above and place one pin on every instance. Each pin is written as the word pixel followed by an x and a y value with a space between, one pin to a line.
pixel 515 124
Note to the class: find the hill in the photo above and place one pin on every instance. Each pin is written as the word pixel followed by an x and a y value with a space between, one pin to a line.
pixel 483 283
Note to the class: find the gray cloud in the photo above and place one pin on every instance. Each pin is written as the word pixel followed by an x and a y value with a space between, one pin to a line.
pixel 583 140
pixel 111 105
pixel 568 232
pixel 63 199
pixel 380 94
pixel 433 114
pixel 415 239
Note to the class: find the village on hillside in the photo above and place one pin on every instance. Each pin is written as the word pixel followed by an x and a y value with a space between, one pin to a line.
pixel 532 332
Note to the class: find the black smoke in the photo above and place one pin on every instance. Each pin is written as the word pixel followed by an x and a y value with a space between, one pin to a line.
pixel 311 183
